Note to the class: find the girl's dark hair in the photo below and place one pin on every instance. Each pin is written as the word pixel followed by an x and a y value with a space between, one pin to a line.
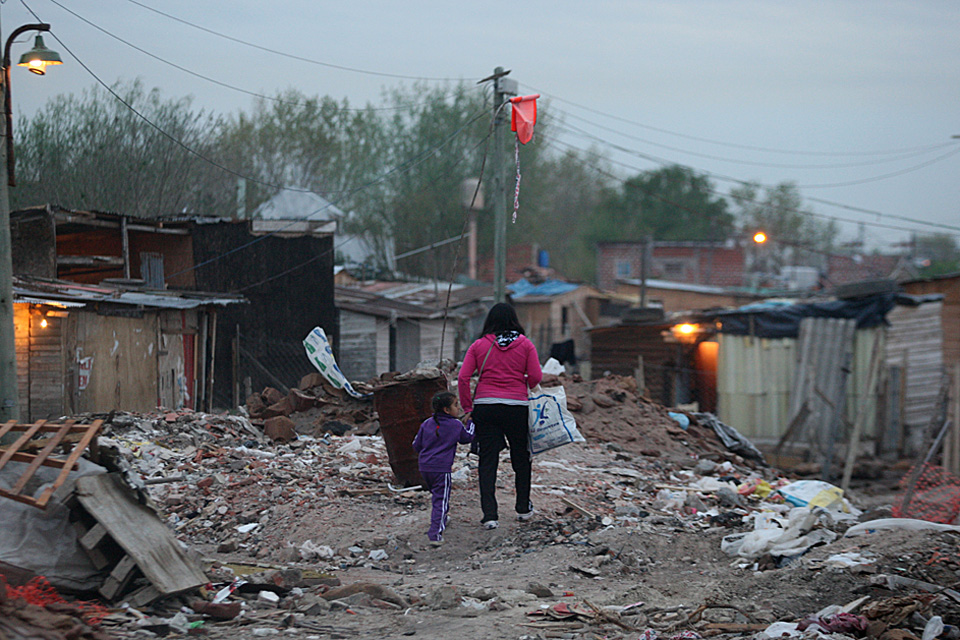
pixel 501 318
pixel 442 400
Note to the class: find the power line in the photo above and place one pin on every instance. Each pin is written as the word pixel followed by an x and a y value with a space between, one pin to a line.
pixel 200 75
pixel 290 55
pixel 334 249
pixel 756 163
pixel 716 192
pixel 664 162
pixel 413 162
pixel 729 144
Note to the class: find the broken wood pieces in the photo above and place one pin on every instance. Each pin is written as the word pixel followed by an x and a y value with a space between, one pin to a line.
pixel 145 560
pixel 47 438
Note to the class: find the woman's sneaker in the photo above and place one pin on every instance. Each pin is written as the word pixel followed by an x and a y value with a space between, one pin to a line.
pixel 491 524
pixel 523 517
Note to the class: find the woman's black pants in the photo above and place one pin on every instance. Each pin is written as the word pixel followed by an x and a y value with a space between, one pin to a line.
pixel 494 422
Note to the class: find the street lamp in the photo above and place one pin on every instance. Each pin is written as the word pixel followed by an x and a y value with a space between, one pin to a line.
pixel 36 60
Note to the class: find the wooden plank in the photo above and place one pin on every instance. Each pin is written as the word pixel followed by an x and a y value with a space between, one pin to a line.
pixel 50 428
pixel 140 533
pixel 7 427
pixel 119 578
pixel 29 457
pixel 27 435
pixel 93 537
pixel 78 450
pixel 854 443
pixel 143 596
pixel 38 460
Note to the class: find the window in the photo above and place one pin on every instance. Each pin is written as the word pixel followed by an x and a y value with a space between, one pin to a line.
pixel 623 268
pixel 673 269
pixel 151 269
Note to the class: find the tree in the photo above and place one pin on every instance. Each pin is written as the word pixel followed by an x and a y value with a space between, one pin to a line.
pixel 938 254
pixel 795 235
pixel 94 152
pixel 672 203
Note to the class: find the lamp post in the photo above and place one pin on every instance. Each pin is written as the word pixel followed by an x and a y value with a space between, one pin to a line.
pixel 36 60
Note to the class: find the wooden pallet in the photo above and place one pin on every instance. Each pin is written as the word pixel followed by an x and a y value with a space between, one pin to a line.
pixel 34 447
pixel 121 535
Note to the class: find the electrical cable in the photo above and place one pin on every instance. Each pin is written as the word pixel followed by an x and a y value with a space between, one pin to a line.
pixel 664 162
pixel 756 163
pixel 623 181
pixel 422 157
pixel 293 56
pixel 348 240
pixel 724 143
pixel 200 75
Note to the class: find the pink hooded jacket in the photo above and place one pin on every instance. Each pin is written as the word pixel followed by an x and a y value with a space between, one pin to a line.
pixel 507 373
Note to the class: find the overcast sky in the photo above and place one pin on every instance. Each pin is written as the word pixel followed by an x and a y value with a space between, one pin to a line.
pixel 860 94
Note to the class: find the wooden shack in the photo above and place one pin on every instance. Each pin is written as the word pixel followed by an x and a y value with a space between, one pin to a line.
pixel 86 348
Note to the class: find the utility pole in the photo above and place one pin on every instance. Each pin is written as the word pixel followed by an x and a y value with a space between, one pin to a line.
pixel 499 192
pixel 9 402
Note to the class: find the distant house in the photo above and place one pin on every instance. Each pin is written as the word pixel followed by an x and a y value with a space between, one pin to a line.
pixel 681 296
pixel 352 250
pixel 284 268
pixel 847 269
pixel 720 264
pixel 556 316
pixel 378 334
pixel 95 348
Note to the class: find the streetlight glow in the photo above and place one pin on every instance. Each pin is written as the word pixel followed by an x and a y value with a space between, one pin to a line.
pixel 759 237
pixel 39 58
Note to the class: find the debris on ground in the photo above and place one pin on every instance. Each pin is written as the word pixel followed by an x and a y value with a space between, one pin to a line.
pixel 648 530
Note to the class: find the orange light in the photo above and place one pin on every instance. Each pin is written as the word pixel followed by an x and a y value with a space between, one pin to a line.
pixel 759 237
pixel 686 329
pixel 43 323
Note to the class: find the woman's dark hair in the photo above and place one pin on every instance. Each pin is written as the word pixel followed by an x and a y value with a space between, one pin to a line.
pixel 501 318
pixel 442 400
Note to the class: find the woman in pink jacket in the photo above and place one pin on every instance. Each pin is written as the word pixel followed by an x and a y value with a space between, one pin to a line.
pixel 507 363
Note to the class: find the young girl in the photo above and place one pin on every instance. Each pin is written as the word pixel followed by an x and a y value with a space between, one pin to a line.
pixel 436 443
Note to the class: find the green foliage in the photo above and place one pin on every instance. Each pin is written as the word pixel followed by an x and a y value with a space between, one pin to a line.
pixel 794 233
pixel 672 203
pixel 93 152
pixel 938 253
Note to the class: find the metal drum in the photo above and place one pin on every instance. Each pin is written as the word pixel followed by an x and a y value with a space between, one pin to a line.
pixel 402 406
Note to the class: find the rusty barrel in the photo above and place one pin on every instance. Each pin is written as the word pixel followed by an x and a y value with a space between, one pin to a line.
pixel 402 406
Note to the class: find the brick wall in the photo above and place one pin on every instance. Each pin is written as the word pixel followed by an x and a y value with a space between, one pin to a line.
pixel 689 262
pixel 611 253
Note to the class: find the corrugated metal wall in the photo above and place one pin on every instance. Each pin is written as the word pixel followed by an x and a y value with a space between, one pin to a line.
pixel 755 380
pixel 915 344
pixel 358 352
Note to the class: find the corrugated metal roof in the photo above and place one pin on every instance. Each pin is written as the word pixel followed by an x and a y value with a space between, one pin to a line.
pixel 43 291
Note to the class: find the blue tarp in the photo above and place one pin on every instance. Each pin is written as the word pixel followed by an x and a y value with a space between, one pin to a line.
pixel 523 288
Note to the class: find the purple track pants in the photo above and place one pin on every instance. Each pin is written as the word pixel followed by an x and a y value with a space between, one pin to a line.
pixel 439 485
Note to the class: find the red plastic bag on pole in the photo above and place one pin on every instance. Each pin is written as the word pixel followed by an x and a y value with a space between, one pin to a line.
pixel 524 116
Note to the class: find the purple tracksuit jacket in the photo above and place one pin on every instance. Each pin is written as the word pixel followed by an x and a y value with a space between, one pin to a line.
pixel 436 443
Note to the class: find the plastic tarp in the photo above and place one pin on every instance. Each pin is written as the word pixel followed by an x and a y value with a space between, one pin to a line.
pixel 730 437
pixel 43 540
pixel 766 320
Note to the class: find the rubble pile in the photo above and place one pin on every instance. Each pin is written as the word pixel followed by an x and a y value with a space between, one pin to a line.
pixel 313 408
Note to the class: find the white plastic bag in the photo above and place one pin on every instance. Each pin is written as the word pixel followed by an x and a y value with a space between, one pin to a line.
pixel 550 422
pixel 813 493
